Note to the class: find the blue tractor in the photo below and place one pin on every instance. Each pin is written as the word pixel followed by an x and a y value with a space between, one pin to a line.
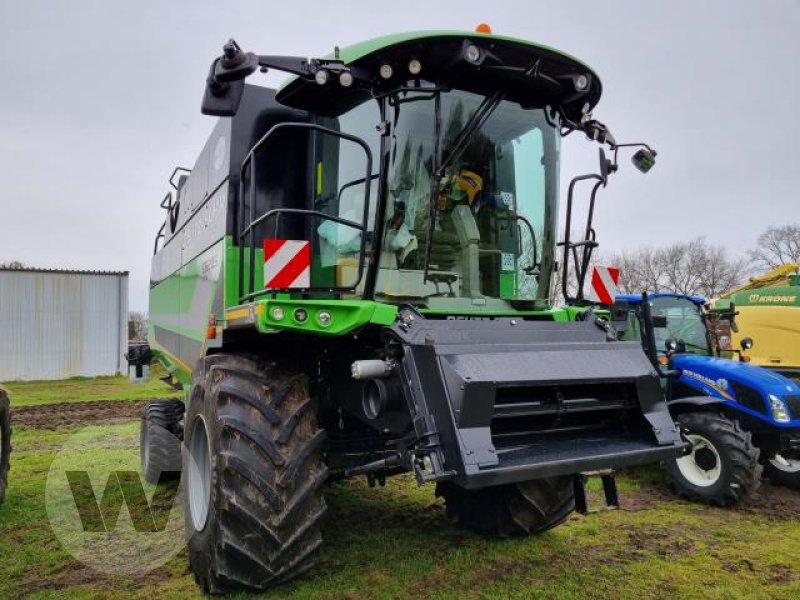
pixel 741 419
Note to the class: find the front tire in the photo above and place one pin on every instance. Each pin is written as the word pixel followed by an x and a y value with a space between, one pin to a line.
pixel 783 471
pixel 253 472
pixel 5 442
pixel 518 509
pixel 722 468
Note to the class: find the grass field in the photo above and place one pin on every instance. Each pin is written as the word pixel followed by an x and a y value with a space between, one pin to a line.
pixel 81 389
pixel 396 542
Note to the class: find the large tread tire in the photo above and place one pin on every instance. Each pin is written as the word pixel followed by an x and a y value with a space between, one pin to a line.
pixel 740 472
pixel 525 508
pixel 789 479
pixel 5 442
pixel 266 506
pixel 160 438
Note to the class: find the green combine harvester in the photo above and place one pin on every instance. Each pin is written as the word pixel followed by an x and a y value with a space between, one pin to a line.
pixel 353 280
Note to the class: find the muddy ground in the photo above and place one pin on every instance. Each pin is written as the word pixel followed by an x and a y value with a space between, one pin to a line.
pixel 772 502
pixel 77 414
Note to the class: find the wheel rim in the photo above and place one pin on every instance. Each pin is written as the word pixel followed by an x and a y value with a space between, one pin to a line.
pixel 786 465
pixel 703 467
pixel 198 485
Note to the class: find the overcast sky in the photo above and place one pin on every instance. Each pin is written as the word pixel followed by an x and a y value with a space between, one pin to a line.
pixel 99 100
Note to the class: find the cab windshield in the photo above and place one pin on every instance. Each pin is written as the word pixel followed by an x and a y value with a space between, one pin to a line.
pixel 685 322
pixel 482 234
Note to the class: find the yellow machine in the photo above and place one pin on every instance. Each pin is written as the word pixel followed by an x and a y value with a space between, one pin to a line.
pixel 768 312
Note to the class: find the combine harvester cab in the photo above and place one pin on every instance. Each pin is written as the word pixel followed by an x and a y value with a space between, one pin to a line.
pixel 353 279
pixel 737 415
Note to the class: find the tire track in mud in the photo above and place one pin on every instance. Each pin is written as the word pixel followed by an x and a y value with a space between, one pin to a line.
pixel 774 502
pixel 65 415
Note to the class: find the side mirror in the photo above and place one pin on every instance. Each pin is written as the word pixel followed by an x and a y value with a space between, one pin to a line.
pixel 660 322
pixel 225 82
pixel 746 343
pixel 607 167
pixel 644 160
pixel 671 344
pixel 222 99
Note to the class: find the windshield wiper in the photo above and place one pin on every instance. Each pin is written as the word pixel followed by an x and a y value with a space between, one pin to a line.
pixel 475 122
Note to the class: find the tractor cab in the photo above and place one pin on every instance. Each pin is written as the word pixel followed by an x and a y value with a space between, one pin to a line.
pixel 431 170
pixel 680 323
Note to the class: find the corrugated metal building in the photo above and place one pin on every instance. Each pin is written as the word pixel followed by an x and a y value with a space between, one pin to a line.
pixel 58 324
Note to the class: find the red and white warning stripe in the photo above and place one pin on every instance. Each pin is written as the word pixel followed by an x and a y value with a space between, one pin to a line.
pixel 604 285
pixel 287 264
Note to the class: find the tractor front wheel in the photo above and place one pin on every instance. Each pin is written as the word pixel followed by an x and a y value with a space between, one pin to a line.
pixel 5 442
pixel 783 471
pixel 722 468
pixel 252 475
pixel 508 510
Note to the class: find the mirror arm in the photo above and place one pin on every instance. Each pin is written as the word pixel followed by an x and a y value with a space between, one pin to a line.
pixel 615 147
pixel 302 67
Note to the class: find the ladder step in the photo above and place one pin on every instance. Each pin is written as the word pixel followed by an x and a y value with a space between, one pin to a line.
pixel 609 491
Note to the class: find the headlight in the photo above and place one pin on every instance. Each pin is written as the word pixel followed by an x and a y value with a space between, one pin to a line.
pixel 345 79
pixel 324 317
pixel 779 412
pixel 473 54
pixel 386 71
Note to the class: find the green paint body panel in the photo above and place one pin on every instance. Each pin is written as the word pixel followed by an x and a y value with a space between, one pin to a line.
pixel 346 315
pixel 355 52
pixel 784 295
pixel 180 306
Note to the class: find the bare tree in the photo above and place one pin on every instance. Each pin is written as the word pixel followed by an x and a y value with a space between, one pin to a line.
pixel 694 267
pixel 639 270
pixel 14 264
pixel 777 246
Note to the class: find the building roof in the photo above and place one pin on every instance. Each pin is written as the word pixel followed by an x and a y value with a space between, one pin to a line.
pixel 61 271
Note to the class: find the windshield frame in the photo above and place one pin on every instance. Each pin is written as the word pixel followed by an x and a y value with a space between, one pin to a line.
pixel 547 250
pixel 701 320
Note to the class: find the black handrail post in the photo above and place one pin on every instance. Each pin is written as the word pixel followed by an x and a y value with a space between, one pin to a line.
pixel 254 222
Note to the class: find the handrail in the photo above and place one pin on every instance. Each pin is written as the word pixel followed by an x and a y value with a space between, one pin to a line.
pixel 159 236
pixel 253 221
pixel 354 183
pixel 175 172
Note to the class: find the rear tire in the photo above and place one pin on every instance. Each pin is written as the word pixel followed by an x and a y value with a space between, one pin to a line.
pixel 723 467
pixel 160 438
pixel 525 508
pixel 785 472
pixel 5 442
pixel 253 473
